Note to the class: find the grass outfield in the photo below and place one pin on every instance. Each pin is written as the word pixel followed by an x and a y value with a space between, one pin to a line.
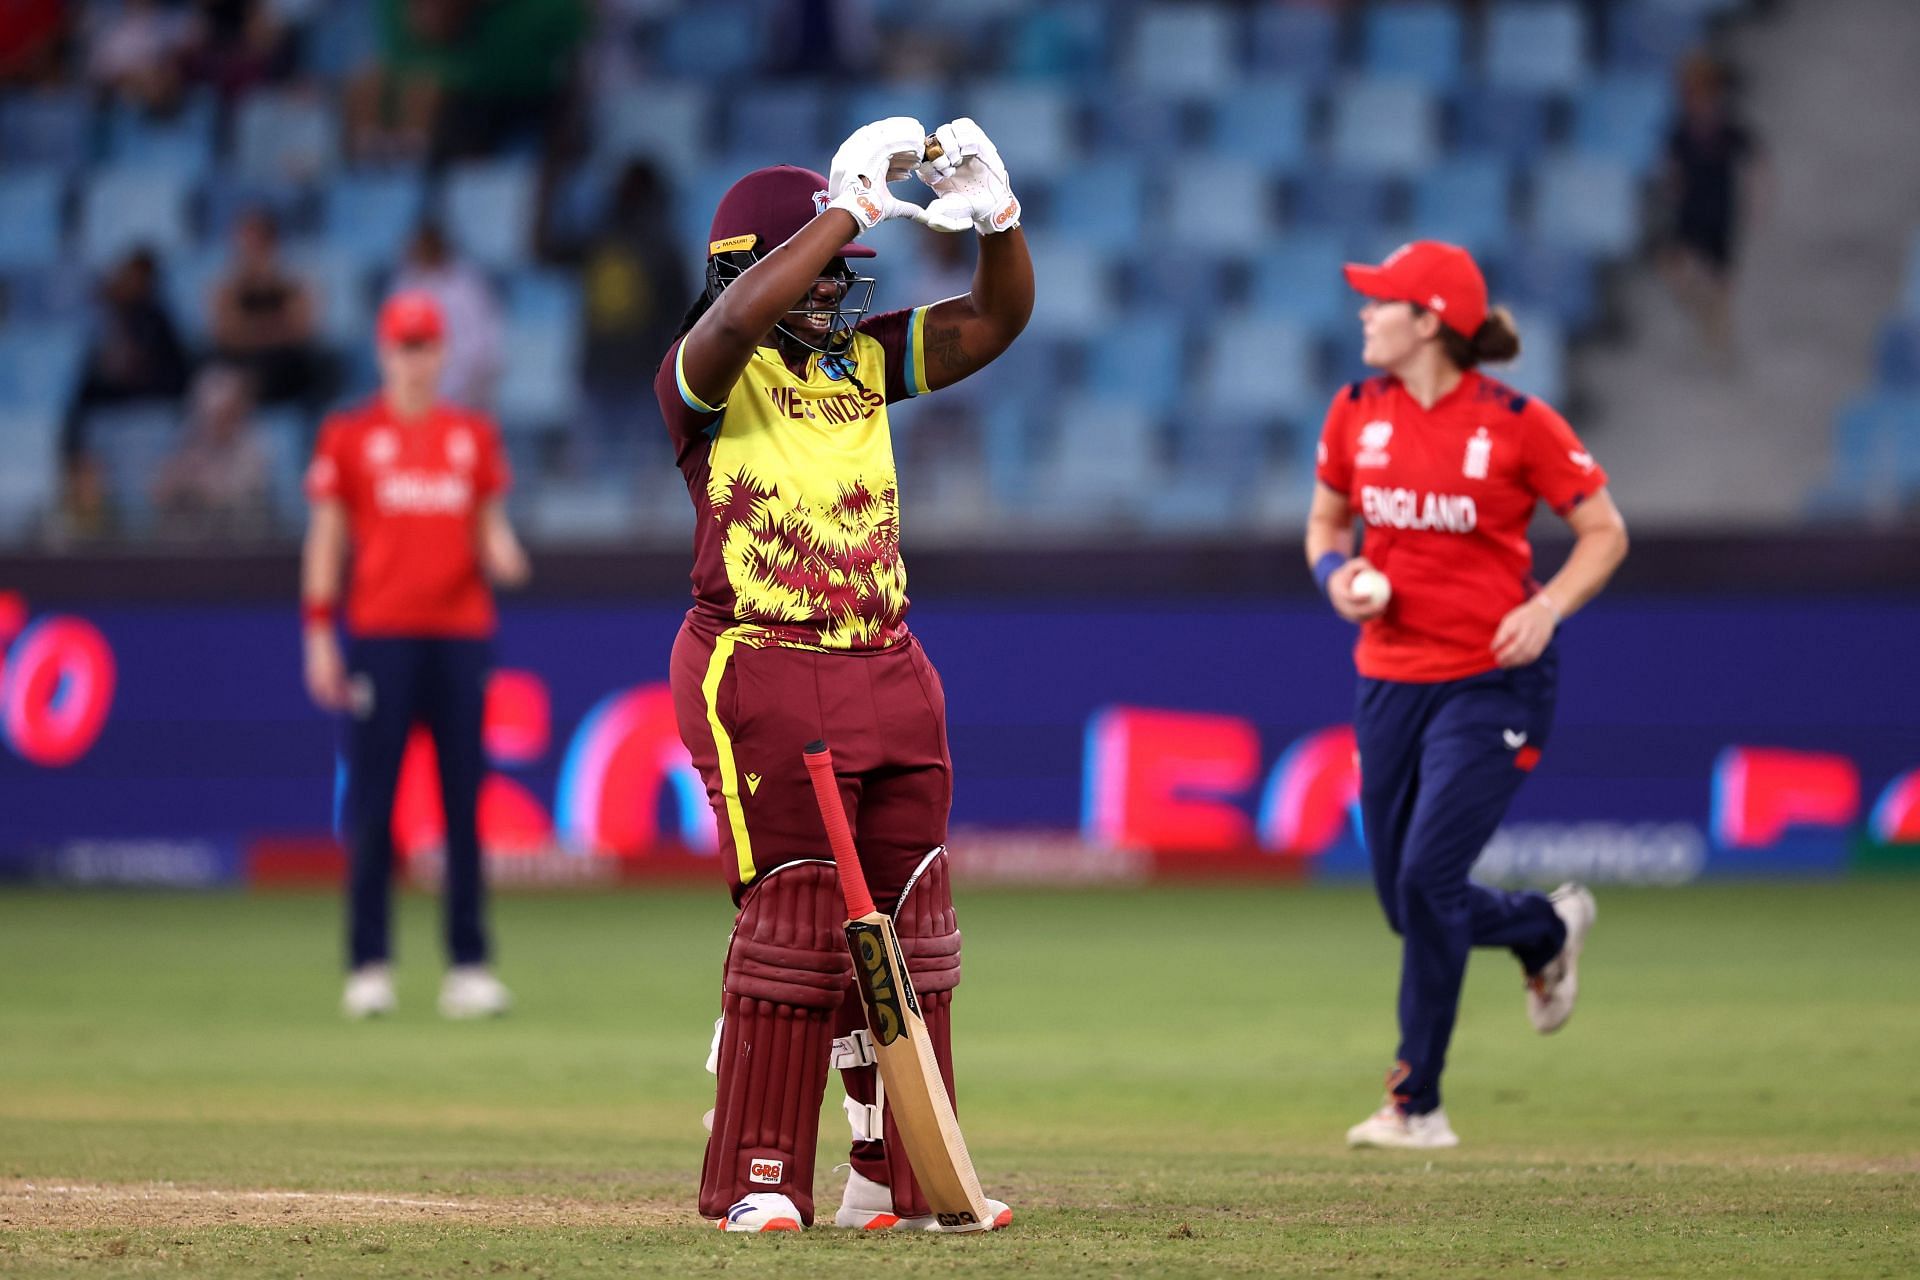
pixel 1158 1081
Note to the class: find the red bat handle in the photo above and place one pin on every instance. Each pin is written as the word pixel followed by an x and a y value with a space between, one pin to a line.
pixel 826 791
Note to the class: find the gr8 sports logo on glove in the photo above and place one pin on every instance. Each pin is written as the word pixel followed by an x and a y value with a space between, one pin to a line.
pixel 969 179
pixel 857 180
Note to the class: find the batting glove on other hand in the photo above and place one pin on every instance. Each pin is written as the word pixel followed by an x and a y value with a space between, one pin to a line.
pixel 866 161
pixel 969 179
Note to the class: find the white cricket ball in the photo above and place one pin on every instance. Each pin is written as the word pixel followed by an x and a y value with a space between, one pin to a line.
pixel 1372 586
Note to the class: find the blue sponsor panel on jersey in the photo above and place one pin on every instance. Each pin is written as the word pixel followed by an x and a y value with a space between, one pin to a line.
pixel 1694 737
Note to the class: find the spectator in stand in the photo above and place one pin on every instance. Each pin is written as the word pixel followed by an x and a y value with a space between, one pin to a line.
pixel 33 36
pixel 237 44
pixel 136 353
pixel 263 316
pixel 1710 155
pixel 216 486
pixel 135 53
pixel 472 365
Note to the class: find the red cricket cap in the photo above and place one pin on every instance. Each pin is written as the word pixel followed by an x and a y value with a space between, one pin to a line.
pixel 411 317
pixel 1443 278
pixel 764 209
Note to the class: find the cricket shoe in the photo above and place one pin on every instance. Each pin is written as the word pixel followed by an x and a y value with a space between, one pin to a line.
pixel 1551 992
pixel 471 991
pixel 369 992
pixel 868 1206
pixel 762 1211
pixel 1393 1128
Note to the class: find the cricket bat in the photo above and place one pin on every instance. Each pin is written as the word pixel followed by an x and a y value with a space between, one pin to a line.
pixel 916 1096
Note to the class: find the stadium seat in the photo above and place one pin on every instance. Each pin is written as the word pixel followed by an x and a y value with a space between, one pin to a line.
pixel 29 467
pixel 545 297
pixel 1032 125
pixel 121 209
pixel 1222 203
pixel 1513 122
pixel 1077 301
pixel 186 280
pixel 1624 118
pixel 1649 36
pixel 371 215
pixel 1538 276
pixel 490 211
pixel 1541 369
pixel 1184 48
pixel 40 366
pixel 1298 40
pixel 133 442
pixel 1135 122
pixel 181 144
pixel 1897 362
pixel 285 136
pixel 339 281
pixel 1414 40
pixel 539 387
pixel 1103 210
pixel 225 197
pixel 1336 200
pixel 1467 201
pixel 1186 283
pixel 30 217
pixel 785 121
pixel 664 122
pixel 47 127
pixel 347 41
pixel 1257 367
pixel 283 437
pixel 1059 41
pixel 1140 359
pixel 924 100
pixel 1539 45
pixel 711 40
pixel 1104 453
pixel 1267 122
pixel 1589 203
pixel 1384 126
pixel 1298 278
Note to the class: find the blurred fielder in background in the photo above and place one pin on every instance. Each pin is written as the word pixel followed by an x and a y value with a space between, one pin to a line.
pixel 415 486
pixel 1457 666
pixel 776 396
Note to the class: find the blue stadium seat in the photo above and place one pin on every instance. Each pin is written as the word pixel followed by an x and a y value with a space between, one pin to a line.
pixel 1467 201
pixel 1060 41
pixel 664 122
pixel 29 467
pixel 1140 359
pixel 713 39
pixel 1221 203
pixel 1257 367
pixel 181 144
pixel 1298 40
pixel 1032 125
pixel 1338 200
pixel 1589 203
pixel 1415 40
pixel 1514 122
pixel 1537 276
pixel 784 122
pixel 30 222
pixel 123 208
pixel 47 127
pixel 490 211
pixel 285 136
pixel 1876 449
pixel 282 435
pixel 49 292
pixel 545 297
pixel 539 388
pixel 1539 45
pixel 1298 278
pixel 1184 48
pixel 1267 122
pixel 1384 126
pixel 924 100
pixel 225 197
pixel 1625 118
pixel 371 215
pixel 1077 301
pixel 133 442
pixel 1135 122
pixel 1183 282
pixel 1897 356
pixel 347 41
pixel 186 280
pixel 339 279
pixel 1104 210
pixel 1104 452
pixel 1541 369
pixel 1650 36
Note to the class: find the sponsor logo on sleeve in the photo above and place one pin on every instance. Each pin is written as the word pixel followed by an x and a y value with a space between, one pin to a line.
pixel 1581 459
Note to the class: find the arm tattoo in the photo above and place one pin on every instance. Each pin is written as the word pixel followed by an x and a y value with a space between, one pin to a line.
pixel 945 352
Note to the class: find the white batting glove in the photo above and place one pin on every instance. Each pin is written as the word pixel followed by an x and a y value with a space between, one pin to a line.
pixel 857 180
pixel 969 179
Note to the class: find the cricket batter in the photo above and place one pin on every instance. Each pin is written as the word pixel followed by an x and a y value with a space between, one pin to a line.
pixel 1443 466
pixel 776 396
pixel 416 488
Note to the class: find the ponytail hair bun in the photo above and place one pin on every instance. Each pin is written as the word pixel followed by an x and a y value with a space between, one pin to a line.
pixel 1495 342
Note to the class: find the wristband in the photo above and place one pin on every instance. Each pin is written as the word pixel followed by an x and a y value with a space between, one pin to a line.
pixel 1542 598
pixel 316 614
pixel 1325 567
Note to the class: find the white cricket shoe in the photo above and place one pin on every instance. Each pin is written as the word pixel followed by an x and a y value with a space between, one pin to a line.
pixel 868 1206
pixel 762 1211
pixel 369 992
pixel 1551 992
pixel 471 991
pixel 1391 1127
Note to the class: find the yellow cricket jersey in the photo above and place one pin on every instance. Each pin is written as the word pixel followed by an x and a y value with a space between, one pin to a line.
pixel 797 533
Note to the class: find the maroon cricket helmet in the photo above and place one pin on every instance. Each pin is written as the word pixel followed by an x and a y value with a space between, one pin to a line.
pixel 764 209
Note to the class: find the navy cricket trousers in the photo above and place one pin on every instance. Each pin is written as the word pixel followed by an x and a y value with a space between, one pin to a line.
pixel 1439 763
pixel 399 682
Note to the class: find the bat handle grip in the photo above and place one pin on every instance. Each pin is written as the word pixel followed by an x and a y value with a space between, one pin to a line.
pixel 846 858
pixel 933 150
